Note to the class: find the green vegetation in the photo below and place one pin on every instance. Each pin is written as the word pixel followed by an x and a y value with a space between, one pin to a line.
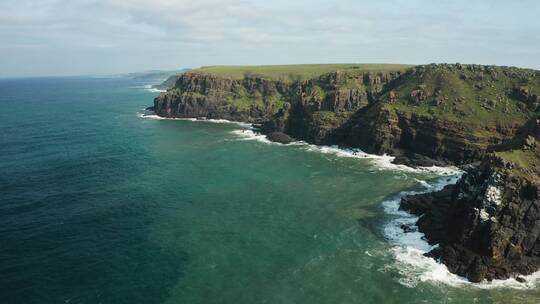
pixel 324 115
pixel 481 105
pixel 317 92
pixel 352 84
pixel 329 118
pixel 245 103
pixel 479 98
pixel 522 158
pixel 475 97
pixel 298 72
pixel 525 162
pixel 242 100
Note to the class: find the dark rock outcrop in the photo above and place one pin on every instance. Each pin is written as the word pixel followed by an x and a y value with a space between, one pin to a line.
pixel 318 107
pixel 487 225
pixel 280 137
pixel 418 138
pixel 210 96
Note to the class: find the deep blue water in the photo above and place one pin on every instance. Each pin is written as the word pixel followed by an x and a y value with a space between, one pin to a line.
pixel 99 205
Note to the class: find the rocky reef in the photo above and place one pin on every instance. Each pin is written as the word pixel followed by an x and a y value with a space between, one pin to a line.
pixel 482 117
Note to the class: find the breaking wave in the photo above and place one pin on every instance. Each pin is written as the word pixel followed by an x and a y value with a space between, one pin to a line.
pixel 382 162
pixel 151 115
pixel 409 248
pixel 149 88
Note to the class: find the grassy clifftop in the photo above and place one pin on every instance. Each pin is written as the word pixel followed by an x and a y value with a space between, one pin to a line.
pixel 451 112
pixel 297 72
pixel 468 94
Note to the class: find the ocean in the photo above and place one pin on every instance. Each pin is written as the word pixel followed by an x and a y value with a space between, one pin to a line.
pixel 102 203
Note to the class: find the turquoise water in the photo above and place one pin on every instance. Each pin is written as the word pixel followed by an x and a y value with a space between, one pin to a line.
pixel 99 205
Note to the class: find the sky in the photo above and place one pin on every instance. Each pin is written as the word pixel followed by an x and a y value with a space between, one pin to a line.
pixel 99 37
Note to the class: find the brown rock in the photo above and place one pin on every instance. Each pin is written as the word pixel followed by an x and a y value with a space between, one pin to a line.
pixel 280 137
pixel 392 97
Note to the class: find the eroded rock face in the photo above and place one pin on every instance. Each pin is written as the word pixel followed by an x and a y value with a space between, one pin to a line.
pixel 256 99
pixel 487 225
pixel 416 139
pixel 210 96
pixel 418 96
pixel 309 110
pixel 525 94
pixel 349 109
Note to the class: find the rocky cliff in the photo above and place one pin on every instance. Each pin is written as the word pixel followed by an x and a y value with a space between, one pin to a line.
pixel 447 113
pixel 210 96
pixel 291 106
pixel 435 114
pixel 487 224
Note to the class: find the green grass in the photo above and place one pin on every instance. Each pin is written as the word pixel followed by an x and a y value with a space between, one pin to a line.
pixel 242 100
pixel 478 100
pixel 463 103
pixel 329 118
pixel 296 72
pixel 522 158
pixel 527 162
pixel 352 84
pixel 324 115
pixel 317 91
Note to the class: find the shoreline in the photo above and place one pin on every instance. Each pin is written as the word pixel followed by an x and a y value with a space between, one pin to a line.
pixel 409 246
pixel 384 161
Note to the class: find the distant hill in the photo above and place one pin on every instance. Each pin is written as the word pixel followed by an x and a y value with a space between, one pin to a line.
pixel 155 74
pixel 169 83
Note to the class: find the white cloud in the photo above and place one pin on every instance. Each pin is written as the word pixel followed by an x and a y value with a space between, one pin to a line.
pixel 100 36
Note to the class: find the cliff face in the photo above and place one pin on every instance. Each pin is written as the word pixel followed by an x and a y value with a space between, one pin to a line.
pixel 420 139
pixel 447 114
pixel 426 114
pixel 488 224
pixel 209 96
pixel 321 106
pixel 308 110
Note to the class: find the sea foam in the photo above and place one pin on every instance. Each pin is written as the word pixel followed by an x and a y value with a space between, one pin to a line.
pixel 409 249
pixel 151 115
pixel 381 162
pixel 149 88
pixel 248 134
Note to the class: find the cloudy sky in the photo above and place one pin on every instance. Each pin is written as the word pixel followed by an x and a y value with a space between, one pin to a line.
pixel 78 37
